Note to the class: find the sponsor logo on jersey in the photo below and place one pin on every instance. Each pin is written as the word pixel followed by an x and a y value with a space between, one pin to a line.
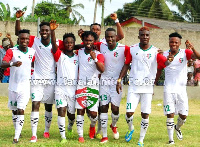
pixel 148 56
pixel 116 54
pixel 181 60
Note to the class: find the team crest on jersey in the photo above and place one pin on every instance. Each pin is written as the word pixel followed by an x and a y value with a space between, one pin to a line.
pixel 116 54
pixel 19 57
pixel 75 62
pixel 181 60
pixel 30 57
pixel 89 59
pixel 148 56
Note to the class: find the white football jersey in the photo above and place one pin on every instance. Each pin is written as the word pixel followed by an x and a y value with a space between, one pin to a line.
pixel 143 68
pixel 20 76
pixel 44 65
pixel 176 72
pixel 87 67
pixel 114 60
pixel 67 72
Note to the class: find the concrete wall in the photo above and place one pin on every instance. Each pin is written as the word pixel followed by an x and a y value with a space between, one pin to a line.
pixel 159 37
pixel 193 92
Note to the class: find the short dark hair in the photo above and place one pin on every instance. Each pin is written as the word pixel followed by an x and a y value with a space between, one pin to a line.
pixel 175 34
pixel 69 35
pixel 110 29
pixel 44 23
pixel 87 33
pixel 95 24
pixel 24 31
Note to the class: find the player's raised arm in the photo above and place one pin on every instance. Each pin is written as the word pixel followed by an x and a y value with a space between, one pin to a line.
pixel 19 14
pixel 189 45
pixel 120 33
pixel 53 26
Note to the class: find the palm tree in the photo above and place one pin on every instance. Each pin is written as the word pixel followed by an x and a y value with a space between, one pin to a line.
pixel 4 12
pixel 190 9
pixel 70 9
pixel 101 2
pixel 32 14
pixel 155 9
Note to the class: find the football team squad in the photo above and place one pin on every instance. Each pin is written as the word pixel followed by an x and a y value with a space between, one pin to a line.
pixel 87 77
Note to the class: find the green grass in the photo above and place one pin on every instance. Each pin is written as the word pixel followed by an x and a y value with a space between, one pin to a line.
pixel 156 134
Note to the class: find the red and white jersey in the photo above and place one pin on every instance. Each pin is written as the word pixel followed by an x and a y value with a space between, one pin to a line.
pixel 44 65
pixel 176 72
pixel 103 40
pixel 114 60
pixel 67 72
pixel 87 67
pixel 143 68
pixel 19 76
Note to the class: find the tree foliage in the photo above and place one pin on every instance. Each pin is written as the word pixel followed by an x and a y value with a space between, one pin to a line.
pixel 70 10
pixel 190 9
pixel 4 12
pixel 146 8
pixel 48 11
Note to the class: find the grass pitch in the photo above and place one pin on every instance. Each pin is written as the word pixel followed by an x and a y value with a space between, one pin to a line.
pixel 156 133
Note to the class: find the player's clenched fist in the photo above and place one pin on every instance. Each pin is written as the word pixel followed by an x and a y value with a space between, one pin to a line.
pixel 53 25
pixel 170 57
pixel 113 16
pixel 17 64
pixel 93 55
pixel 189 44
pixel 19 13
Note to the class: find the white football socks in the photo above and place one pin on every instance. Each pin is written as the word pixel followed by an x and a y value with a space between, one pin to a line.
pixel 79 124
pixel 34 122
pixel 14 119
pixel 114 119
pixel 130 122
pixel 180 122
pixel 70 124
pixel 61 126
pixel 19 125
pixel 170 128
pixel 143 130
pixel 104 123
pixel 48 118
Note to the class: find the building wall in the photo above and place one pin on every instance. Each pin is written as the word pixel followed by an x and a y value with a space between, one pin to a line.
pixel 159 37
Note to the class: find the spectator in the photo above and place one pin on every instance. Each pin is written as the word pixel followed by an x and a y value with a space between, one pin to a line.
pixel 197 71
pixel 190 80
pixel 190 66
pixel 6 44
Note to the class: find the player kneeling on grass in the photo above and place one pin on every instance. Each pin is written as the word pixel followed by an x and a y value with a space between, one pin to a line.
pixel 67 72
pixel 91 62
pixel 175 95
pixel 144 58
pixel 19 60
